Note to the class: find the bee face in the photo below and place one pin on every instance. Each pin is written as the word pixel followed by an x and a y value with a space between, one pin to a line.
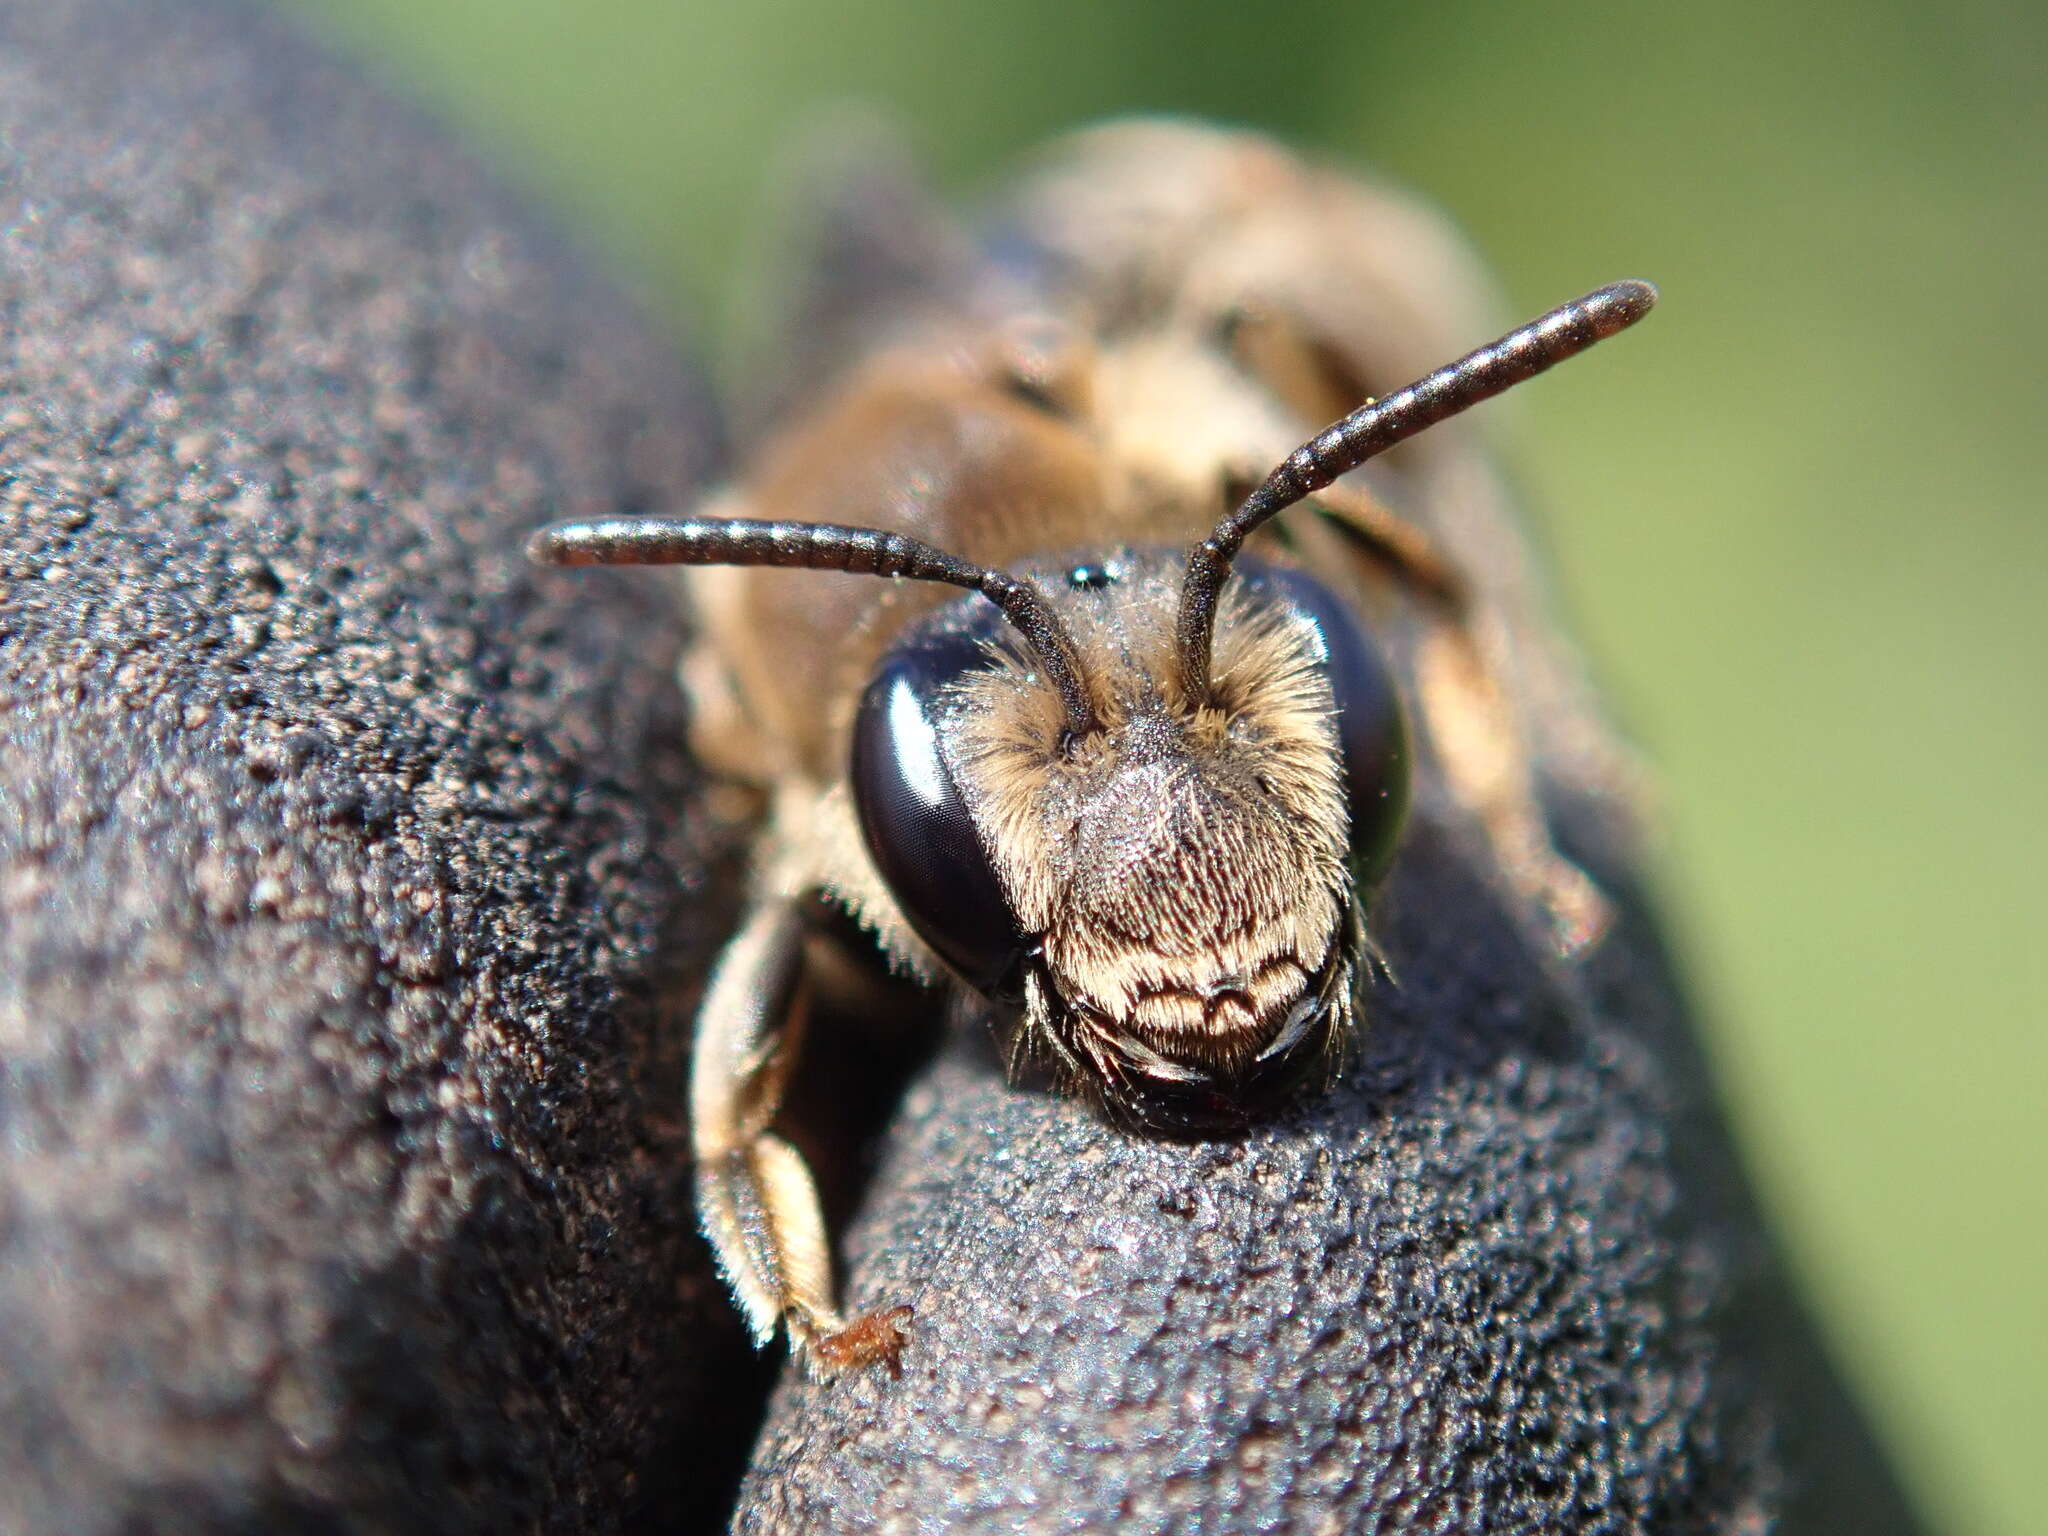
pixel 1172 899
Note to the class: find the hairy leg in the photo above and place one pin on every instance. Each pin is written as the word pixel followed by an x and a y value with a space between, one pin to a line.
pixel 754 1194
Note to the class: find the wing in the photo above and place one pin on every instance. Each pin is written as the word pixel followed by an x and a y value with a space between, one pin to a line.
pixel 856 255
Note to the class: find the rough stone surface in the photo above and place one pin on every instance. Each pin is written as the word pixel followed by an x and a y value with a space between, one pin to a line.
pixel 352 902
pixel 344 946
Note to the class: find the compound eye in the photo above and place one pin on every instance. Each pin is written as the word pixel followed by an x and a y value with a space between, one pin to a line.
pixel 918 829
pixel 1371 729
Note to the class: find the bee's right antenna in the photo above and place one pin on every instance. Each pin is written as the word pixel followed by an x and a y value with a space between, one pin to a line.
pixel 1377 426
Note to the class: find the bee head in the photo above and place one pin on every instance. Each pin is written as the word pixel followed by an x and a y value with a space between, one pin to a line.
pixel 1171 898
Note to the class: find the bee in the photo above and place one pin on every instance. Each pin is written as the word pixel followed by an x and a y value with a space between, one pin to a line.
pixel 1135 782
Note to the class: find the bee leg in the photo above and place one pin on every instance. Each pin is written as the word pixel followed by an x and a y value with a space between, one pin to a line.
pixel 1466 709
pixel 755 1197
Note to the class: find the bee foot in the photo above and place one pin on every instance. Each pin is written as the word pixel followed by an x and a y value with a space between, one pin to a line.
pixel 870 1339
pixel 1579 915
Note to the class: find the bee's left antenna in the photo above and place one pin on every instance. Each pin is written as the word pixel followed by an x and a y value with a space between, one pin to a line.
pixel 822 547
pixel 1377 426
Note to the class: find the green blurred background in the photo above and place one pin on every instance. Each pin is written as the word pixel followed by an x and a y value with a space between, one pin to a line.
pixel 1795 516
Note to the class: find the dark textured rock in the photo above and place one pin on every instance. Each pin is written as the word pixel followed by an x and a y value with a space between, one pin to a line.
pixel 344 949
